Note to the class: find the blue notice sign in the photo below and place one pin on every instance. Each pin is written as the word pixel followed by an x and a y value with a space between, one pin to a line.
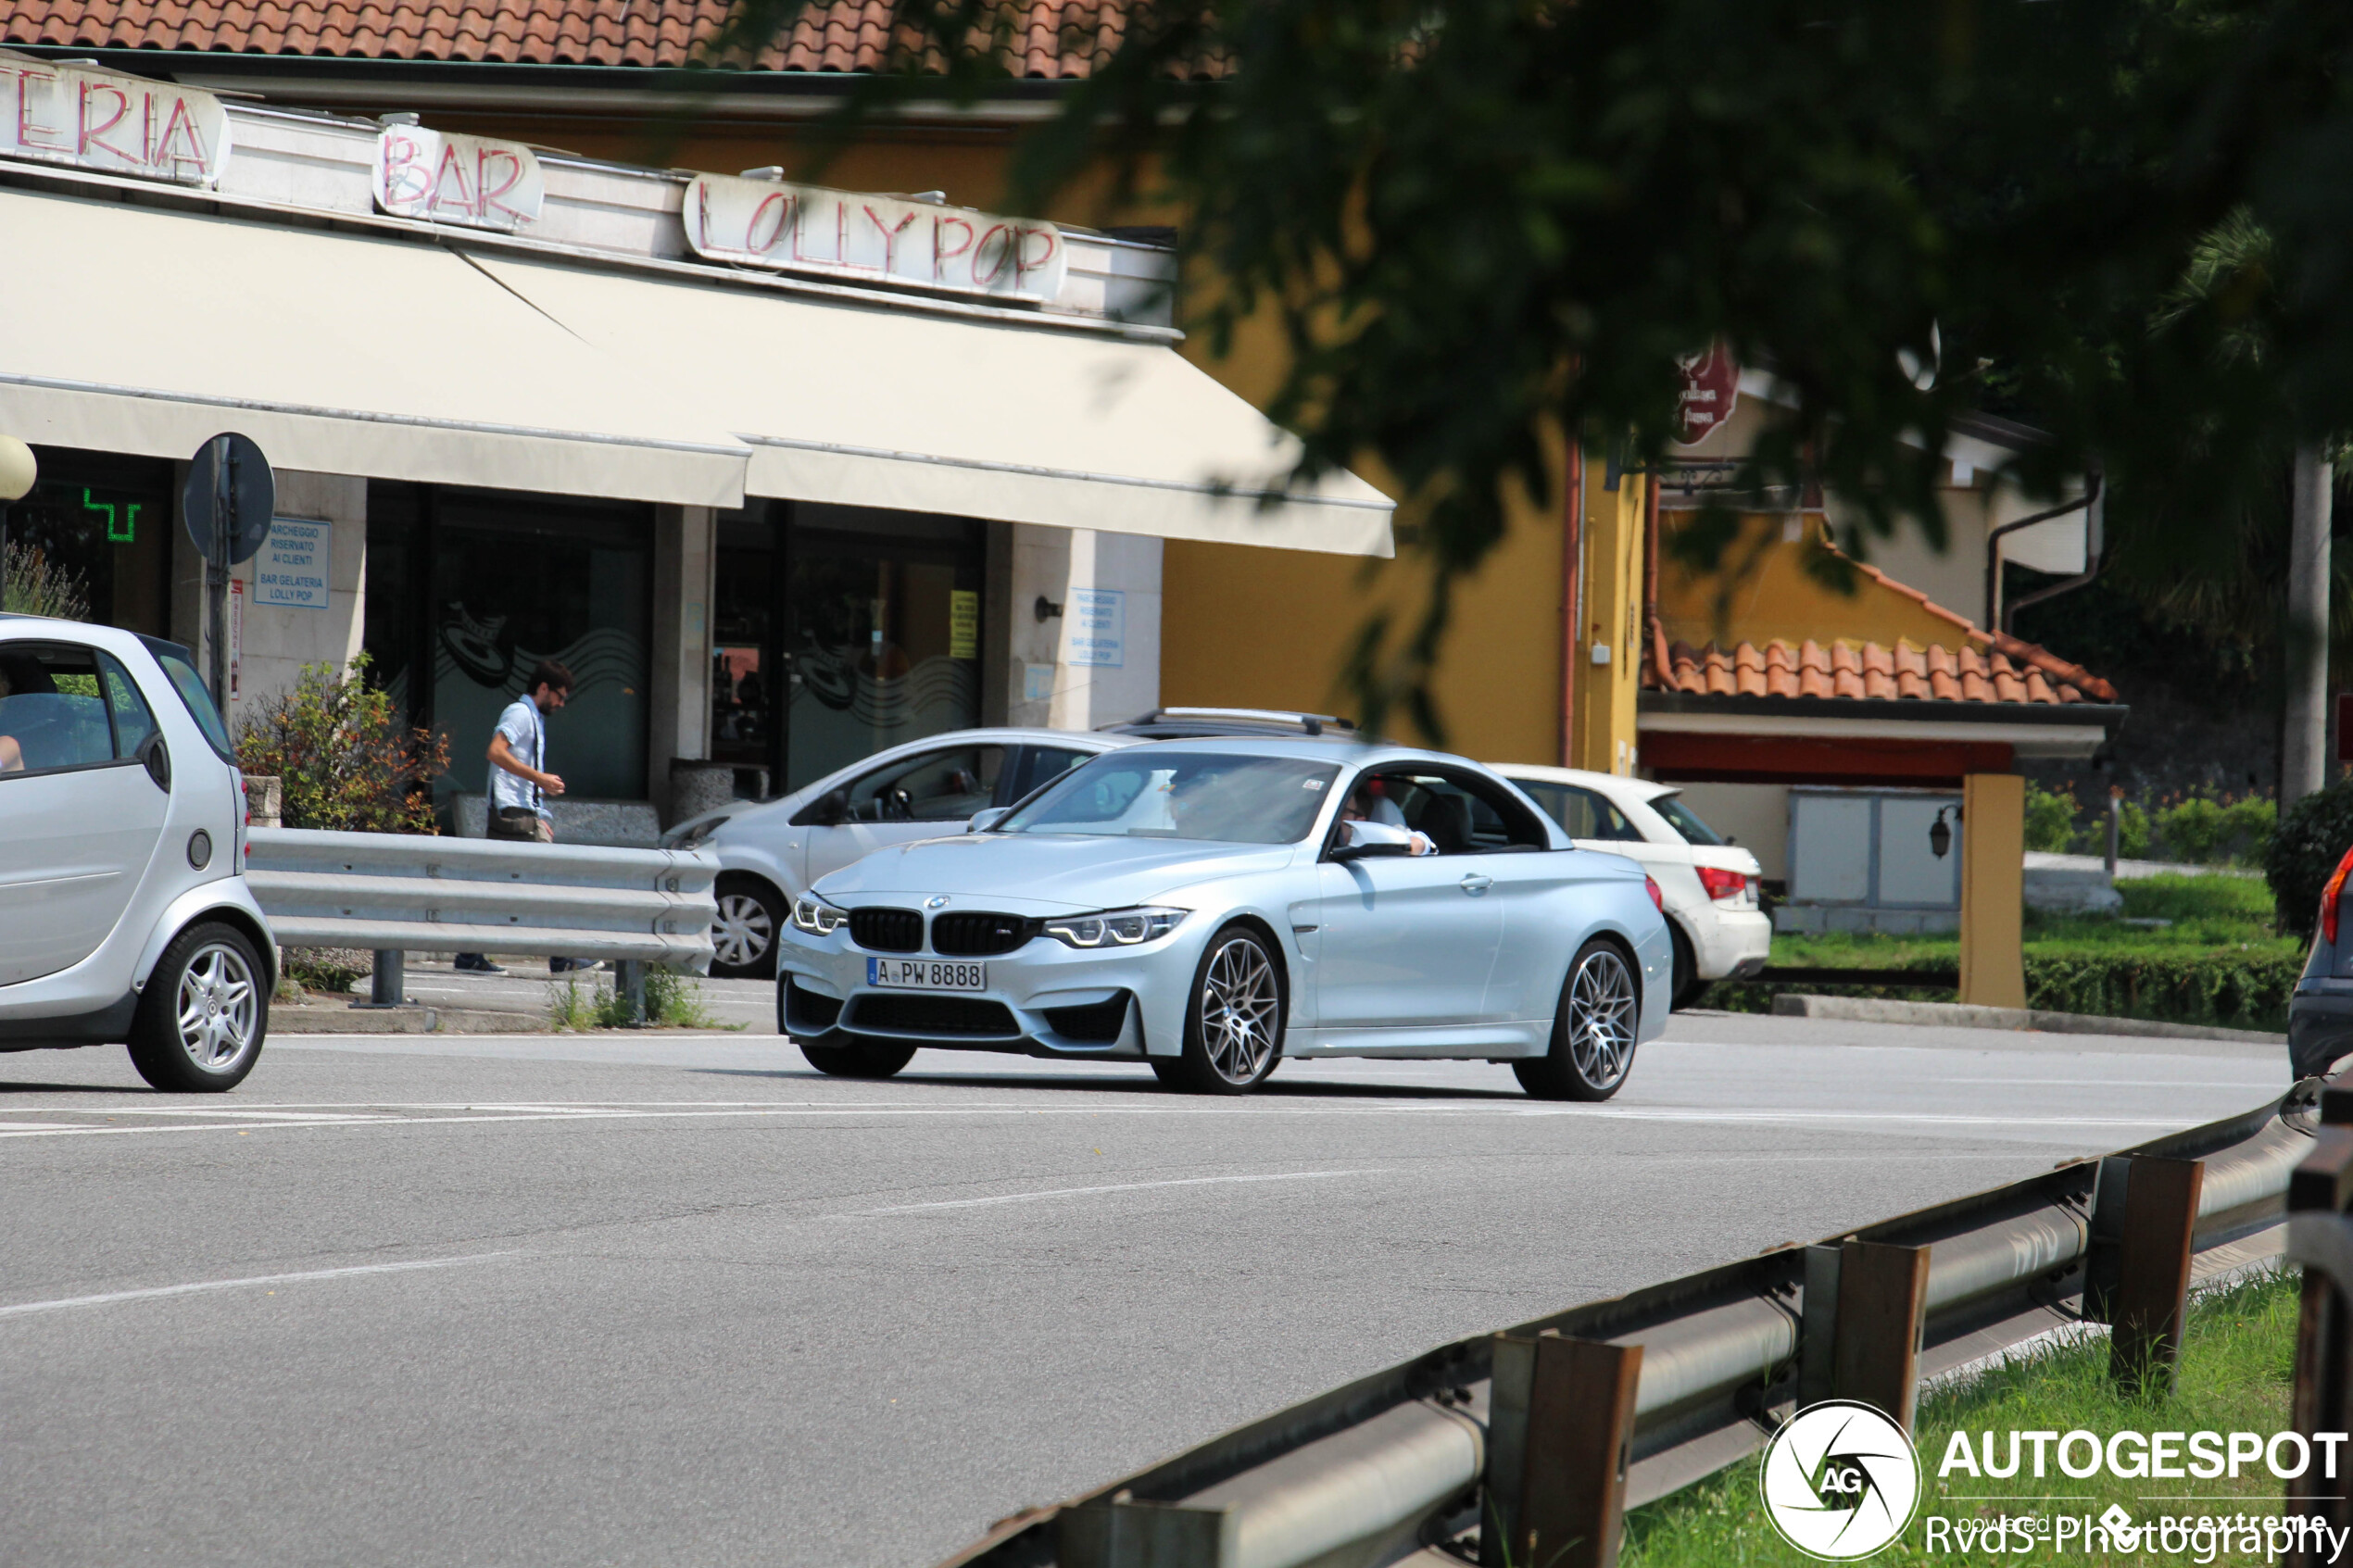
pixel 1097 626
pixel 290 570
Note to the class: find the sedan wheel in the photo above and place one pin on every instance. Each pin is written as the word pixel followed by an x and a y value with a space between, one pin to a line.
pixel 1234 1029
pixel 743 933
pixel 203 1015
pixel 1592 1034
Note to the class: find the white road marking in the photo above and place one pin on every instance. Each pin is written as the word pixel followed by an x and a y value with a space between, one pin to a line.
pixel 198 1286
pixel 1089 1192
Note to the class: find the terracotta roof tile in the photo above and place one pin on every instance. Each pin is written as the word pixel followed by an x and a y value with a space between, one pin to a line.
pixel 1050 40
pixel 2010 672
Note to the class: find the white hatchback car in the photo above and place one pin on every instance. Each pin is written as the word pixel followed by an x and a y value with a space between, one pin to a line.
pixel 770 851
pixel 1711 887
pixel 124 913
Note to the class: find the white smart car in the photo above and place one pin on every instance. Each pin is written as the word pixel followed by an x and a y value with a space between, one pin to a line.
pixel 1713 911
pixel 124 913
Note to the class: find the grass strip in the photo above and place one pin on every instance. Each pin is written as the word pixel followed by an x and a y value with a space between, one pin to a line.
pixel 2237 1364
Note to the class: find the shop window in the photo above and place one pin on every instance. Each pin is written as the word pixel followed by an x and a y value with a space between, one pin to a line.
pixel 96 530
pixel 744 719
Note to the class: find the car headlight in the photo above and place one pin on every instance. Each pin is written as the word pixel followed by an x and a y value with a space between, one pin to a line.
pixel 688 838
pixel 1114 928
pixel 817 915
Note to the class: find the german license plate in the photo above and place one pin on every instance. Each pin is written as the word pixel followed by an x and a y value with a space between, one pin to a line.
pixel 927 974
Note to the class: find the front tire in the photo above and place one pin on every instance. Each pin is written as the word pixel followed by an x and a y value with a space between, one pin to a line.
pixel 203 1015
pixel 1234 1024
pixel 862 1058
pixel 1593 1032
pixel 743 933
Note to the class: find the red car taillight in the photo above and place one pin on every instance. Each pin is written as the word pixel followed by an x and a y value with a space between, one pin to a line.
pixel 1650 884
pixel 2329 897
pixel 1720 883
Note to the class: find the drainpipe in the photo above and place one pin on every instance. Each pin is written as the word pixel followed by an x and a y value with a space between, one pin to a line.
pixel 1572 595
pixel 1996 617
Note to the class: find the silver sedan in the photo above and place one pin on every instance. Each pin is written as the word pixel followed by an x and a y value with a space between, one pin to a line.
pixel 1212 906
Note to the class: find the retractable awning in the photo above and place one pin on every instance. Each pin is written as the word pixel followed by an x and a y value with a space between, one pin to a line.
pixel 925 411
pixel 134 329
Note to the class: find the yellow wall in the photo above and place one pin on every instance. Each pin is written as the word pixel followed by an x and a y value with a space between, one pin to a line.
pixel 1771 595
pixel 1993 890
pixel 1613 545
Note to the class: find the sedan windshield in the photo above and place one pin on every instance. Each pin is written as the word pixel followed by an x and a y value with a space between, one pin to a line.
pixel 1189 795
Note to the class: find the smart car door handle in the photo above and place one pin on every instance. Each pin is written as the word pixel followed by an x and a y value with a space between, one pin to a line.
pixel 1475 885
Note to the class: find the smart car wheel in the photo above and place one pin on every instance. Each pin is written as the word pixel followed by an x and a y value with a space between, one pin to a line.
pixel 743 933
pixel 1234 1028
pixel 1593 1032
pixel 861 1058
pixel 202 1017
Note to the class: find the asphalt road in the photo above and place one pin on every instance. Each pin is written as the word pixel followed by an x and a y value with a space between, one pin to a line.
pixel 675 1299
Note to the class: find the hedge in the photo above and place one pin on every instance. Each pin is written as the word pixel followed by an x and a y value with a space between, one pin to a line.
pixel 2232 989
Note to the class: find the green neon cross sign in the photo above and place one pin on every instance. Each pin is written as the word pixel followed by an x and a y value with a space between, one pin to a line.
pixel 126 532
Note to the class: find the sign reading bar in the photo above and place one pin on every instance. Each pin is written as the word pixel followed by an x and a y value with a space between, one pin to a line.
pixel 871 239
pixel 113 124
pixel 291 569
pixel 446 177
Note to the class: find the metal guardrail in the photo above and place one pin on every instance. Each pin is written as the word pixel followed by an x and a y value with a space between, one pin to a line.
pixel 406 892
pixel 1403 1466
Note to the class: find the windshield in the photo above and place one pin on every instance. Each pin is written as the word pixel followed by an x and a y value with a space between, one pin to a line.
pixel 193 695
pixel 1188 795
pixel 1683 821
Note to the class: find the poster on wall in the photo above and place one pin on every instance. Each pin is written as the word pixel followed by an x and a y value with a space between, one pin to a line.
pixel 1098 627
pixel 290 570
pixel 963 623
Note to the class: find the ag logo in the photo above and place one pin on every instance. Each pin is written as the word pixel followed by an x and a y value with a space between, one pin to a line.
pixel 1840 1480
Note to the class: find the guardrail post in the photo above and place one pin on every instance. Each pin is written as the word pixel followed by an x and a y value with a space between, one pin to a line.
pixel 2152 1290
pixel 629 978
pixel 1882 1308
pixel 387 981
pixel 1560 1433
pixel 2320 1238
pixel 1818 1325
pixel 1122 1533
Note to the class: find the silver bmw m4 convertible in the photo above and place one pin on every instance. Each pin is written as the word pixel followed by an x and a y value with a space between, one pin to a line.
pixel 1210 907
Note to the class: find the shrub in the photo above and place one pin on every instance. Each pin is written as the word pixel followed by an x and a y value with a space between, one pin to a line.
pixel 345 760
pixel 331 970
pixel 2192 829
pixel 2312 838
pixel 2237 989
pixel 38 585
pixel 2248 825
pixel 2132 833
pixel 2050 817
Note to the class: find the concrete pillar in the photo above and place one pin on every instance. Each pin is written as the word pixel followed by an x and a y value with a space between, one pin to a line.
pixel 1607 652
pixel 278 639
pixel 1993 890
pixel 678 693
pixel 1094 659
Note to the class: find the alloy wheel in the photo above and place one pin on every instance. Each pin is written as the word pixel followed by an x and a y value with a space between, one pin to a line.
pixel 1601 1019
pixel 1241 1007
pixel 219 1007
pixel 742 932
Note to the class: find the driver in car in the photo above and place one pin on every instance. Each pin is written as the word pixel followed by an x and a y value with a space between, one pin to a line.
pixel 1369 802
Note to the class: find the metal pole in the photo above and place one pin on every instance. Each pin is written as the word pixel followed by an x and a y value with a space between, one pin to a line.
pixel 2303 767
pixel 2115 825
pixel 387 985
pixel 629 978
pixel 224 490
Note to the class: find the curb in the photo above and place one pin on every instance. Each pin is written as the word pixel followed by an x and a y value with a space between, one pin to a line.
pixel 1961 1015
pixel 298 1020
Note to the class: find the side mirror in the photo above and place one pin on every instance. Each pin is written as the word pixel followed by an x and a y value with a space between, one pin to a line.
pixel 1364 841
pixel 156 758
pixel 984 820
pixel 834 810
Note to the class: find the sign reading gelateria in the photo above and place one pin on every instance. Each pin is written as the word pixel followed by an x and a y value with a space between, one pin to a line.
pixel 871 239
pixel 94 119
pixel 446 177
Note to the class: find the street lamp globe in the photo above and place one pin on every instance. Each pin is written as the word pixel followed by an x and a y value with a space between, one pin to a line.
pixel 18 468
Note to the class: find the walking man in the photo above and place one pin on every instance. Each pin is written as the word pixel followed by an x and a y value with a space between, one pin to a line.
pixel 520 782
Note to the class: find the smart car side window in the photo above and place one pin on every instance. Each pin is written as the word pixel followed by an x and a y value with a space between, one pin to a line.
pixel 134 720
pixel 53 709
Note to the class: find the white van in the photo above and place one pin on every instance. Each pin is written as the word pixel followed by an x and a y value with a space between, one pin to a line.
pixel 124 913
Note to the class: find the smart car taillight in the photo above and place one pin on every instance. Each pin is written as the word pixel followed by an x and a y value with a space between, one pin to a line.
pixel 1650 886
pixel 2329 897
pixel 1720 883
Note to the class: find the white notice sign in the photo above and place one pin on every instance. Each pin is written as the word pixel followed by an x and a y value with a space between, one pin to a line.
pixel 871 239
pixel 87 118
pixel 1097 626
pixel 445 177
pixel 290 571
